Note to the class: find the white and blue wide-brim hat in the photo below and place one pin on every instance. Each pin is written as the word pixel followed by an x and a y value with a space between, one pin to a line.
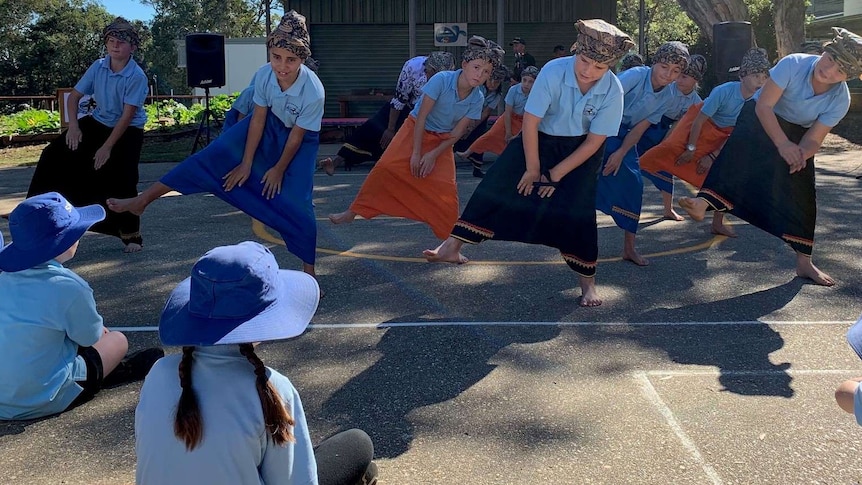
pixel 236 294
pixel 854 337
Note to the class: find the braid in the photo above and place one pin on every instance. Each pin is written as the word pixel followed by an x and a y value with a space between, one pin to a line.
pixel 276 417
pixel 188 425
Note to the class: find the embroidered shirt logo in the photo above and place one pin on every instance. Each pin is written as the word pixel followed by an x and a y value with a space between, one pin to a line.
pixel 292 109
pixel 590 111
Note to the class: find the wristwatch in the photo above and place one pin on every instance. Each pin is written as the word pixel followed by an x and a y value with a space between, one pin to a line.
pixel 690 147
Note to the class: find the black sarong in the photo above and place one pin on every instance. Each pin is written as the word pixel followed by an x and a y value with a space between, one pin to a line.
pixel 565 221
pixel 363 145
pixel 752 181
pixel 71 173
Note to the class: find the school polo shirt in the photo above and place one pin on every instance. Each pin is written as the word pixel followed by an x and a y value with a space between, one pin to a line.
pixel 113 90
pixel 492 99
pixel 798 104
pixel 46 312
pixel 516 99
pixel 448 110
pixel 641 102
pixel 236 448
pixel 681 102
pixel 724 104
pixel 565 111
pixel 299 105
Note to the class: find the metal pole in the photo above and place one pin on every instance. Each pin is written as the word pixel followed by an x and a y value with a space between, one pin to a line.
pixel 268 23
pixel 411 29
pixel 501 20
pixel 641 27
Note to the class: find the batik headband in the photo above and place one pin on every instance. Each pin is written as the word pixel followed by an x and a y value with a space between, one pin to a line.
pixel 674 52
pixel 601 41
pixel 439 61
pixel 501 73
pixel 531 71
pixel 291 34
pixel 754 61
pixel 846 49
pixel 481 48
pixel 812 47
pixel 631 60
pixel 121 29
pixel 696 67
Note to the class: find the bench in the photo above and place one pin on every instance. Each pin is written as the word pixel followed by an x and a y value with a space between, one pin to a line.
pixel 345 100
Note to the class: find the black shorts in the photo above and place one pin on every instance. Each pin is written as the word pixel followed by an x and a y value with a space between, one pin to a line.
pixel 95 374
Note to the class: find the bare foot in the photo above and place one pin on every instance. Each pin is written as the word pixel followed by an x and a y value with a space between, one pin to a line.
pixel 722 230
pixel 806 269
pixel 135 205
pixel 635 257
pixel 328 166
pixel 695 206
pixel 671 215
pixel 447 252
pixel 133 248
pixel 589 295
pixel 345 217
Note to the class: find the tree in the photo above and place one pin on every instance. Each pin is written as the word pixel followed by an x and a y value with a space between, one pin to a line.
pixel 789 18
pixel 664 21
pixel 705 13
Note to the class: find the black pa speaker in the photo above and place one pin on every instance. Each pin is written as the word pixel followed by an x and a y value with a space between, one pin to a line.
pixel 730 41
pixel 205 60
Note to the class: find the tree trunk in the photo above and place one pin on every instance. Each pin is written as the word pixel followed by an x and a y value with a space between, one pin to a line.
pixel 705 13
pixel 789 17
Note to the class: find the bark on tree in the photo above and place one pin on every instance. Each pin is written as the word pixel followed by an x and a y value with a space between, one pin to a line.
pixel 704 13
pixel 789 17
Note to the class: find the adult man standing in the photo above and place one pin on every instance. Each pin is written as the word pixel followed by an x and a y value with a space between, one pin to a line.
pixel 522 58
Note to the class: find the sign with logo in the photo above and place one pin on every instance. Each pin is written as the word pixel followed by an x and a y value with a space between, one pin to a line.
pixel 447 34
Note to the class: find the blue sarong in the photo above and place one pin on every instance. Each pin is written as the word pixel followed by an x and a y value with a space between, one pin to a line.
pixel 230 118
pixel 291 212
pixel 652 137
pixel 620 196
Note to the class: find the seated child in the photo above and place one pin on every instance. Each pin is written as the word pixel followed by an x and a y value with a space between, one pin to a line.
pixel 215 413
pixel 55 352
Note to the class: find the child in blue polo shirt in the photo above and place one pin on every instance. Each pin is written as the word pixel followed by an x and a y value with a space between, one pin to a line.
pixel 54 350
pixel 97 156
pixel 265 165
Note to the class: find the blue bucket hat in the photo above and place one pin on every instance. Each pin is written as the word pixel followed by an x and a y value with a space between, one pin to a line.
pixel 236 294
pixel 854 337
pixel 44 227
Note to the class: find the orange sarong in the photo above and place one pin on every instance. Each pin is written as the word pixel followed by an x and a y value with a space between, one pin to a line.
pixel 494 140
pixel 391 189
pixel 662 157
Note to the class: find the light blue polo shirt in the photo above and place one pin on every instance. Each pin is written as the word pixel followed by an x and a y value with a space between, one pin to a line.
pixel 236 448
pixel 565 111
pixel 448 110
pixel 681 102
pixel 46 312
pixel 516 99
pixel 797 103
pixel 492 99
pixel 299 105
pixel 113 90
pixel 724 104
pixel 641 102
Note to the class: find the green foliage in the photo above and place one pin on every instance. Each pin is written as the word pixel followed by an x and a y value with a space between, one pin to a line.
pixel 29 122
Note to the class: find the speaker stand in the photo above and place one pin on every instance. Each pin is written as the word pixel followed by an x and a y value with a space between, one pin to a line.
pixel 205 126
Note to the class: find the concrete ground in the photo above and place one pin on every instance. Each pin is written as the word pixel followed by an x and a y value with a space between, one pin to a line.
pixel 712 365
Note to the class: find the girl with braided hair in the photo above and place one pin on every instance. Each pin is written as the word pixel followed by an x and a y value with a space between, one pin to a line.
pixel 97 156
pixel 215 413
pixel 415 177
pixel 264 165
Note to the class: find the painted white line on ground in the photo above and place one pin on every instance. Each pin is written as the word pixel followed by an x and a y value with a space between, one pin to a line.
pixel 653 397
pixel 336 326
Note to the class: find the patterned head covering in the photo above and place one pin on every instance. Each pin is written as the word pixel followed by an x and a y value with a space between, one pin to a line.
pixel 481 48
pixel 811 47
pixel 531 71
pixel 630 60
pixel 754 61
pixel 696 67
pixel 121 29
pixel 601 41
pixel 501 73
pixel 673 52
pixel 291 34
pixel 439 61
pixel 312 63
pixel 846 49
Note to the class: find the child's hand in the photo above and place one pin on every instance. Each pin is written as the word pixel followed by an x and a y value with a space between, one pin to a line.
pixel 426 164
pixel 613 164
pixel 237 176
pixel 415 160
pixel 525 185
pixel 704 164
pixel 73 137
pixel 272 183
pixel 686 157
pixel 102 156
